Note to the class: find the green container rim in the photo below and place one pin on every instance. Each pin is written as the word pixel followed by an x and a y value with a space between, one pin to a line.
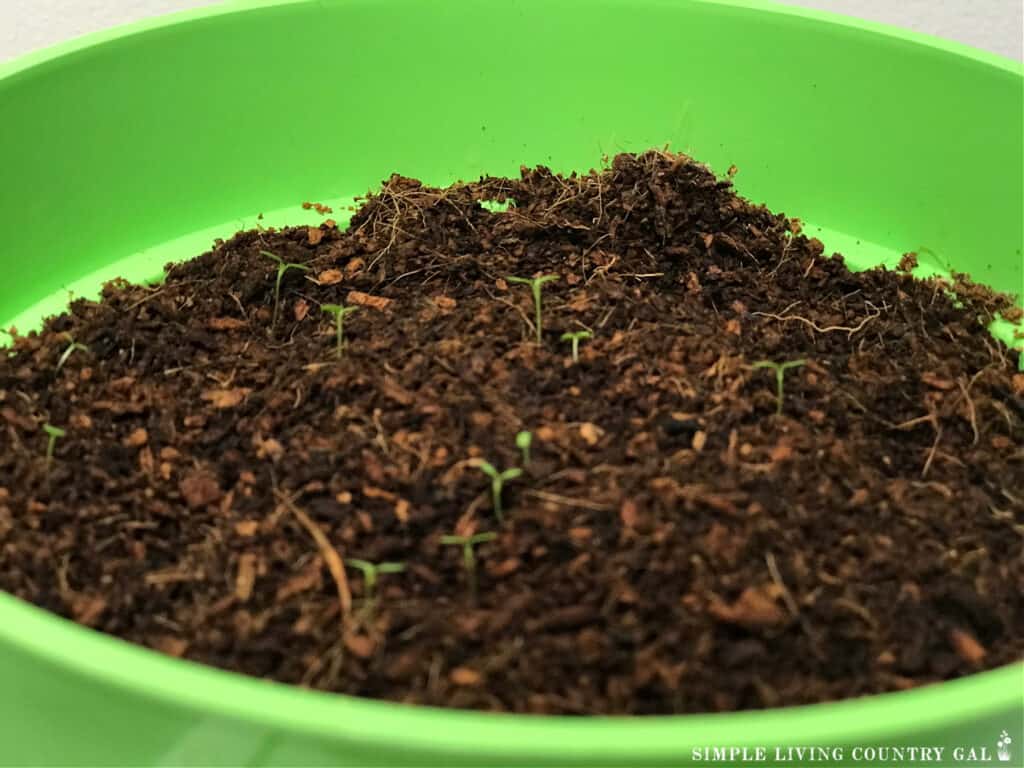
pixel 869 720
pixel 91 655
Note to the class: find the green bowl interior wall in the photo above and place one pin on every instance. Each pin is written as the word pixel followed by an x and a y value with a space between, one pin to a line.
pixel 109 150
pixel 142 148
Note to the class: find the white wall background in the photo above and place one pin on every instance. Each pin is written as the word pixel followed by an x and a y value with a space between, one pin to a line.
pixel 995 25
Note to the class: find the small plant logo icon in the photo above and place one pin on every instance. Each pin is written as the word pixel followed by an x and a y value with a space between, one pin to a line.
pixel 1003 747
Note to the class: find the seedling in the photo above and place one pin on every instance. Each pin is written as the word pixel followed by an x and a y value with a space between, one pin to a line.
pixel 575 337
pixel 55 433
pixel 370 573
pixel 535 283
pixel 523 441
pixel 71 348
pixel 468 555
pixel 282 267
pixel 780 376
pixel 498 480
pixel 339 313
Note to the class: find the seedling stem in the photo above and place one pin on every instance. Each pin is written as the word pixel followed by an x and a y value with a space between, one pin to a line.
pixel 524 440
pixel 282 267
pixel 371 572
pixel 575 337
pixel 469 556
pixel 780 376
pixel 71 348
pixel 498 480
pixel 54 434
pixel 536 284
pixel 339 313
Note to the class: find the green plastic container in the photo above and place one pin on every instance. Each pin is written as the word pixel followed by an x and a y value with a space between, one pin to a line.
pixel 133 147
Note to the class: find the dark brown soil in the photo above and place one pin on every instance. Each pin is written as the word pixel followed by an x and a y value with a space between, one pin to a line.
pixel 675 544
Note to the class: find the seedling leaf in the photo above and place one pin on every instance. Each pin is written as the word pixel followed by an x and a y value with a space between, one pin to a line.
pixel 780 376
pixel 536 284
pixel 575 337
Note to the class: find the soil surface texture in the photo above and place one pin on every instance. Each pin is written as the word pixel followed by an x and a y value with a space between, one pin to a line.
pixel 766 480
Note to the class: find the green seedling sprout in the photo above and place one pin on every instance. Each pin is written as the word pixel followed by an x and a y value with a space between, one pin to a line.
pixel 282 267
pixel 468 555
pixel 54 434
pixel 498 480
pixel 535 283
pixel 371 572
pixel 780 376
pixel 339 313
pixel 524 440
pixel 575 337
pixel 71 349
